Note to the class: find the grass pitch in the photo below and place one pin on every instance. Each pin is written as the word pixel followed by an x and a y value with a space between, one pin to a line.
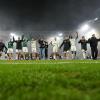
pixel 50 80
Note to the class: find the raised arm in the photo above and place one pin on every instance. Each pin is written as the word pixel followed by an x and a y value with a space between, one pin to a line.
pixel 28 39
pixel 76 35
pixel 14 39
pixel 22 38
pixel 25 39
pixel 50 43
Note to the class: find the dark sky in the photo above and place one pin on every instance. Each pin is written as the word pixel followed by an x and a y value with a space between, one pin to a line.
pixel 46 14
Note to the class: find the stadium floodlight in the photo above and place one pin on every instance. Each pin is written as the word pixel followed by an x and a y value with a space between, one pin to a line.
pixel 96 19
pixel 85 27
pixel 13 35
pixel 60 34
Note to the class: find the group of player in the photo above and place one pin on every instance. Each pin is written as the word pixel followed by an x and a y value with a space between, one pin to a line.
pixel 68 44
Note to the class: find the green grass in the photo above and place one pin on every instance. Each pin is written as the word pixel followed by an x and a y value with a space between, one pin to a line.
pixel 49 80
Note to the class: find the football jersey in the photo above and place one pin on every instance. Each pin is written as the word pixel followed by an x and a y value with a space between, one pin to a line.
pixel 24 43
pixel 10 44
pixel 73 42
pixel 33 44
pixel 55 43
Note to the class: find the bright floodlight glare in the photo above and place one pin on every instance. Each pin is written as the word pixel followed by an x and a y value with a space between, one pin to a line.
pixel 50 39
pixel 96 19
pixel 58 38
pixel 60 34
pixel 85 27
pixel 14 35
pixel 90 33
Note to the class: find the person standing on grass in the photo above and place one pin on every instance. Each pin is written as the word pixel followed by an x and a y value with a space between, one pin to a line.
pixel 83 43
pixel 55 48
pixel 94 44
pixel 34 54
pixel 66 47
pixel 10 51
pixel 18 47
pixel 3 50
pixel 73 45
pixel 46 50
pixel 42 48
pixel 25 48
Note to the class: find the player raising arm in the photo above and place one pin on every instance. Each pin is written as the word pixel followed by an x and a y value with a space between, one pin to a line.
pixel 10 49
pixel 66 47
pixel 73 45
pixel 25 48
pixel 18 47
pixel 83 43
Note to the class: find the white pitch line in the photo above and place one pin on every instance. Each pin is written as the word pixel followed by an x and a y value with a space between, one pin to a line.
pixel 52 63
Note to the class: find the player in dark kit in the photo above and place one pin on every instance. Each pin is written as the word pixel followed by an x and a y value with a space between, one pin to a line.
pixel 83 42
pixel 46 50
pixel 19 47
pixel 93 44
pixel 10 49
pixel 66 47
pixel 2 48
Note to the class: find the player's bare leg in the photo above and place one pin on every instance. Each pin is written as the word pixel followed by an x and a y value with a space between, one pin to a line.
pixel 37 56
pixel 54 56
pixel 84 54
pixel 24 56
pixel 19 56
pixel 64 55
pixel 68 55
pixel 73 54
pixel 34 55
pixel 9 56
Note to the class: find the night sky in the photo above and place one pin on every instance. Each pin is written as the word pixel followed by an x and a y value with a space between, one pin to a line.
pixel 46 14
